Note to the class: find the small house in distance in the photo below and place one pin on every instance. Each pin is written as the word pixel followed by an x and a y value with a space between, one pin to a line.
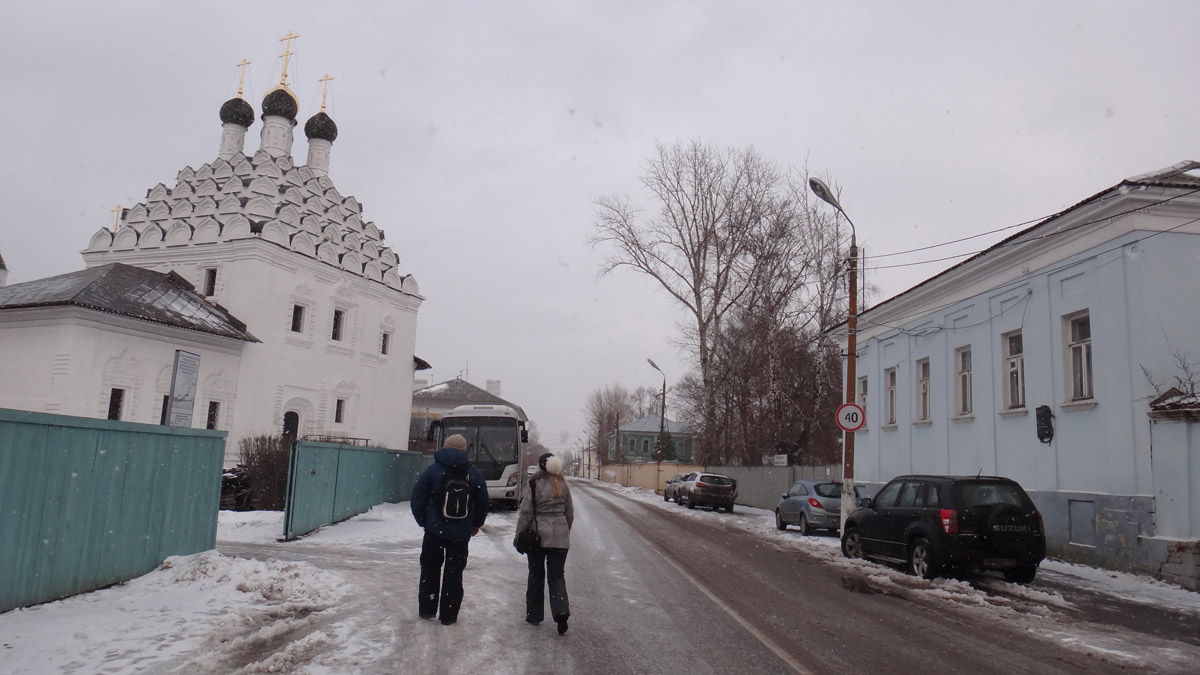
pixel 635 441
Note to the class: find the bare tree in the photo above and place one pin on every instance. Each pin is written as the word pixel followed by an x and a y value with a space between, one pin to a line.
pixel 607 409
pixel 710 203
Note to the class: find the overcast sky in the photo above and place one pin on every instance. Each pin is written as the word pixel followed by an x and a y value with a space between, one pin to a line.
pixel 479 134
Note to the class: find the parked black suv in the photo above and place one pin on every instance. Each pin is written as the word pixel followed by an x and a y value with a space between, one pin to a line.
pixel 935 523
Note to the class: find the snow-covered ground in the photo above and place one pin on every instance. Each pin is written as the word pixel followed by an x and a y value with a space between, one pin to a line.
pixel 175 618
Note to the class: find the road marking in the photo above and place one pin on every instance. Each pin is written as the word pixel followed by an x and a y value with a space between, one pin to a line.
pixel 758 635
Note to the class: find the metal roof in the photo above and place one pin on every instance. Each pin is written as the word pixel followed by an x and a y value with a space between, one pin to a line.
pixel 651 424
pixel 134 292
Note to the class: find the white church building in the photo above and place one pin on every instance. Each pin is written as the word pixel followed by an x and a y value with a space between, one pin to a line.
pixel 330 319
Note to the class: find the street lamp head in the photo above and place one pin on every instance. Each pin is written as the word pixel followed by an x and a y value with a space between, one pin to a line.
pixel 655 366
pixel 822 190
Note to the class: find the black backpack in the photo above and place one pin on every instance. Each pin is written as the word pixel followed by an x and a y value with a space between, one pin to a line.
pixel 456 491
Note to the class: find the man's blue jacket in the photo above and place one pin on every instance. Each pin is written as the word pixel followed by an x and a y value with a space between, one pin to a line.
pixel 427 497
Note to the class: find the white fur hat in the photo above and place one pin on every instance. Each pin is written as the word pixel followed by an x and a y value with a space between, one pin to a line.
pixel 553 465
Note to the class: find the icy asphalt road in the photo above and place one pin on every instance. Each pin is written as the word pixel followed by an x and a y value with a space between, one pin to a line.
pixel 660 589
pixel 655 588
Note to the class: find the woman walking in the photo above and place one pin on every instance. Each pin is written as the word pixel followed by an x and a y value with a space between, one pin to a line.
pixel 547 494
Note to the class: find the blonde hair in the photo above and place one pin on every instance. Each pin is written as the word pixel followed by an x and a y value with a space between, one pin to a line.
pixel 555 487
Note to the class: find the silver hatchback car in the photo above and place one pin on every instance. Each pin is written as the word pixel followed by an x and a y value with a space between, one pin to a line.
pixel 810 505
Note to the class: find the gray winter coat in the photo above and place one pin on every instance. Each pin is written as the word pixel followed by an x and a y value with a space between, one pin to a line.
pixel 555 515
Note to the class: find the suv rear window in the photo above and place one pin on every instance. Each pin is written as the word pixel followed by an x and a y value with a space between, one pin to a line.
pixel 989 494
pixel 715 480
pixel 832 490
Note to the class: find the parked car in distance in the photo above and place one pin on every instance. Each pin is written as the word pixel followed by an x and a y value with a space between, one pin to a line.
pixel 708 489
pixel 931 524
pixel 671 489
pixel 811 504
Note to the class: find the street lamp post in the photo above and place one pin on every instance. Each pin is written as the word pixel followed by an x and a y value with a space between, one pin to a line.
pixel 822 190
pixel 661 446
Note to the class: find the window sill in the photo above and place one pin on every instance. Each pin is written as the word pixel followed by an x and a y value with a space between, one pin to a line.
pixel 295 339
pixel 339 349
pixel 889 427
pixel 1078 405
pixel 965 417
pixel 922 423
pixel 1013 412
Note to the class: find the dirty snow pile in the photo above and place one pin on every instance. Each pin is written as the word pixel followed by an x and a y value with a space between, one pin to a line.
pixel 200 604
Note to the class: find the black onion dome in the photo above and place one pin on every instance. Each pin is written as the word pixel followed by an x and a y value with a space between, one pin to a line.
pixel 321 126
pixel 280 102
pixel 237 111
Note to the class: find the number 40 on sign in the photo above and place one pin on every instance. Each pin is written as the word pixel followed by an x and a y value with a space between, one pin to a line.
pixel 850 417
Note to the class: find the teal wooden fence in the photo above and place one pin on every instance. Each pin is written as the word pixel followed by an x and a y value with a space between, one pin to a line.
pixel 87 503
pixel 330 482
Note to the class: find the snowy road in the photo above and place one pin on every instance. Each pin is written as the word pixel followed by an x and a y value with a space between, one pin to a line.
pixel 655 588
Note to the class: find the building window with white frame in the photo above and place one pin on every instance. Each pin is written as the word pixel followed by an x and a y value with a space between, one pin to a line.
pixel 297 318
pixel 889 396
pixel 339 411
pixel 963 404
pixel 1079 356
pixel 210 282
pixel 923 390
pixel 116 403
pixel 861 393
pixel 1014 369
pixel 339 319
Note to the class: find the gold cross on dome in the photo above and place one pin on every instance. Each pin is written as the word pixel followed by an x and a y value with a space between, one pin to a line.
pixel 287 51
pixel 116 217
pixel 242 76
pixel 325 89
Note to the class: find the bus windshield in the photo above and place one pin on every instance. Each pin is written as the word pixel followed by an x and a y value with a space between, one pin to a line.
pixel 492 442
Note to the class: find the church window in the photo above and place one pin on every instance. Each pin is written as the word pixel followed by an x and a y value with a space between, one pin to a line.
pixel 339 411
pixel 162 416
pixel 339 317
pixel 214 414
pixel 116 401
pixel 385 343
pixel 210 282
pixel 297 318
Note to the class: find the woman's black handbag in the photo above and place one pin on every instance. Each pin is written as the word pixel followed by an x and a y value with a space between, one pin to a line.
pixel 529 539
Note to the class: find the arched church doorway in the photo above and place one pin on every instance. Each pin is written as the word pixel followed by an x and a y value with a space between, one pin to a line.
pixel 291 424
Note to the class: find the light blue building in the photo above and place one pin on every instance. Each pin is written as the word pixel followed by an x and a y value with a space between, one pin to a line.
pixel 1038 359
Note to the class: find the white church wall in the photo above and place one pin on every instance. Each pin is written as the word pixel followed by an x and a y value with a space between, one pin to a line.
pixel 72 358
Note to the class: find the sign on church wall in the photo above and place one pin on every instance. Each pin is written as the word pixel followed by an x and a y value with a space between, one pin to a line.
pixel 183 388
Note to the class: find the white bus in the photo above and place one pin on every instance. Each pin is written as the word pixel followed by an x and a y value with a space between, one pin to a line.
pixel 496 438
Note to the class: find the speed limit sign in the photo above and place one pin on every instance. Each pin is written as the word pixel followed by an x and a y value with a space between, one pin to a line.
pixel 850 417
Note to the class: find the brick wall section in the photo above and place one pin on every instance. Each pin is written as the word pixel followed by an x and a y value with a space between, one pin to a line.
pixel 1182 564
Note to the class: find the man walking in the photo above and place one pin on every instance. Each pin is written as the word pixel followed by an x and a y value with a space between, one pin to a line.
pixel 450 502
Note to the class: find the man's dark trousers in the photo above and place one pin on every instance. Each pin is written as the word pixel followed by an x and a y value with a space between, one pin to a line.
pixel 441 593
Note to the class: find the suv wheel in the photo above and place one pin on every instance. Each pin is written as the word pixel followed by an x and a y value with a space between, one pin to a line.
pixel 920 559
pixel 666 497
pixel 779 524
pixel 852 544
pixel 691 503
pixel 805 528
pixel 1020 575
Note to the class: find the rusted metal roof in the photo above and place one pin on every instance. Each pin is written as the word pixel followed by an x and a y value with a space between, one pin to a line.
pixel 134 292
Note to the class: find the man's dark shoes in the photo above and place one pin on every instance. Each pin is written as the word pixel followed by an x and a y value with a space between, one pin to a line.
pixel 447 622
pixel 428 616
pixel 533 621
pixel 562 623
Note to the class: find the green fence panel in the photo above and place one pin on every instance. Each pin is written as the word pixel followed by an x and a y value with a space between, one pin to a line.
pixel 86 503
pixel 330 482
pixel 312 483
